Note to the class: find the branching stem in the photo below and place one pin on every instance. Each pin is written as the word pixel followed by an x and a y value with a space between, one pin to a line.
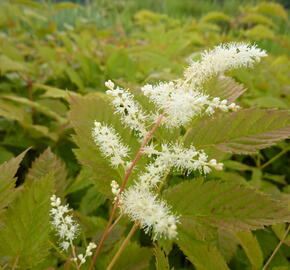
pixel 277 248
pixel 74 255
pixel 274 158
pixel 124 182
pixel 123 245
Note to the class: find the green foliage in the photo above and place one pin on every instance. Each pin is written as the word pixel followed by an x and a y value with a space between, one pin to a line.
pixel 203 255
pixel 24 228
pixel 252 248
pixel 161 261
pixel 245 131
pixel 54 60
pixel 48 163
pixel 226 205
pixel 7 180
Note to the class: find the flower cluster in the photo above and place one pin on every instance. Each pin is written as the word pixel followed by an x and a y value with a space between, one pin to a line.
pixel 178 102
pixel 129 110
pixel 153 214
pixel 176 156
pixel 82 258
pixel 110 144
pixel 222 58
pixel 66 228
pixel 182 105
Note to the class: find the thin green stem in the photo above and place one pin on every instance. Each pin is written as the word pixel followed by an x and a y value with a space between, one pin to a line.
pixel 65 258
pixel 74 255
pixel 123 245
pixel 274 158
pixel 15 263
pixel 116 222
pixel 277 248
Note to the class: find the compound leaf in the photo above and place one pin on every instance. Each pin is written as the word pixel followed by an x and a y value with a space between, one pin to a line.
pixel 161 261
pixel 47 163
pixel 242 132
pixel 25 227
pixel 226 205
pixel 202 255
pixel 7 181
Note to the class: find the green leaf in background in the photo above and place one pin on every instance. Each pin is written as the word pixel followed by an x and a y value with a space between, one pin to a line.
pixel 91 201
pixel 48 163
pixel 161 261
pixel 242 132
pixel 7 179
pixel 271 8
pixel 226 205
pixel 251 247
pixel 25 227
pixel 256 18
pixel 216 16
pixel 120 64
pixel 133 257
pixel 202 255
pixel 54 92
pixel 7 64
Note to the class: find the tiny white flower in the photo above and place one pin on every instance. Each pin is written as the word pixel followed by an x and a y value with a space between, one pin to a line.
pixel 109 84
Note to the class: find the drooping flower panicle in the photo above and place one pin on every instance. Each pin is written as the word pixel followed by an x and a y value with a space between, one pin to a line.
pixel 110 144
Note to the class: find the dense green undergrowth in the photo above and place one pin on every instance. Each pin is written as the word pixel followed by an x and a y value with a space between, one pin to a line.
pixel 50 65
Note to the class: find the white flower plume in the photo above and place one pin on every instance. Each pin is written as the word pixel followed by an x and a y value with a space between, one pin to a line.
pixel 153 214
pixel 67 229
pixel 130 111
pixel 110 144
pixel 63 223
pixel 176 156
pixel 181 105
pixel 222 58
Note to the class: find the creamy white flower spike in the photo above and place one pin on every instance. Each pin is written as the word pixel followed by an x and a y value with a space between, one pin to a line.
pixel 67 229
pixel 130 111
pixel 63 223
pixel 181 105
pixel 154 214
pixel 110 144
pixel 222 58
pixel 178 157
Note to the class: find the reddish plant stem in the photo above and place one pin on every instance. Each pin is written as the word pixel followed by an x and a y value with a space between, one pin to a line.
pixel 124 182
